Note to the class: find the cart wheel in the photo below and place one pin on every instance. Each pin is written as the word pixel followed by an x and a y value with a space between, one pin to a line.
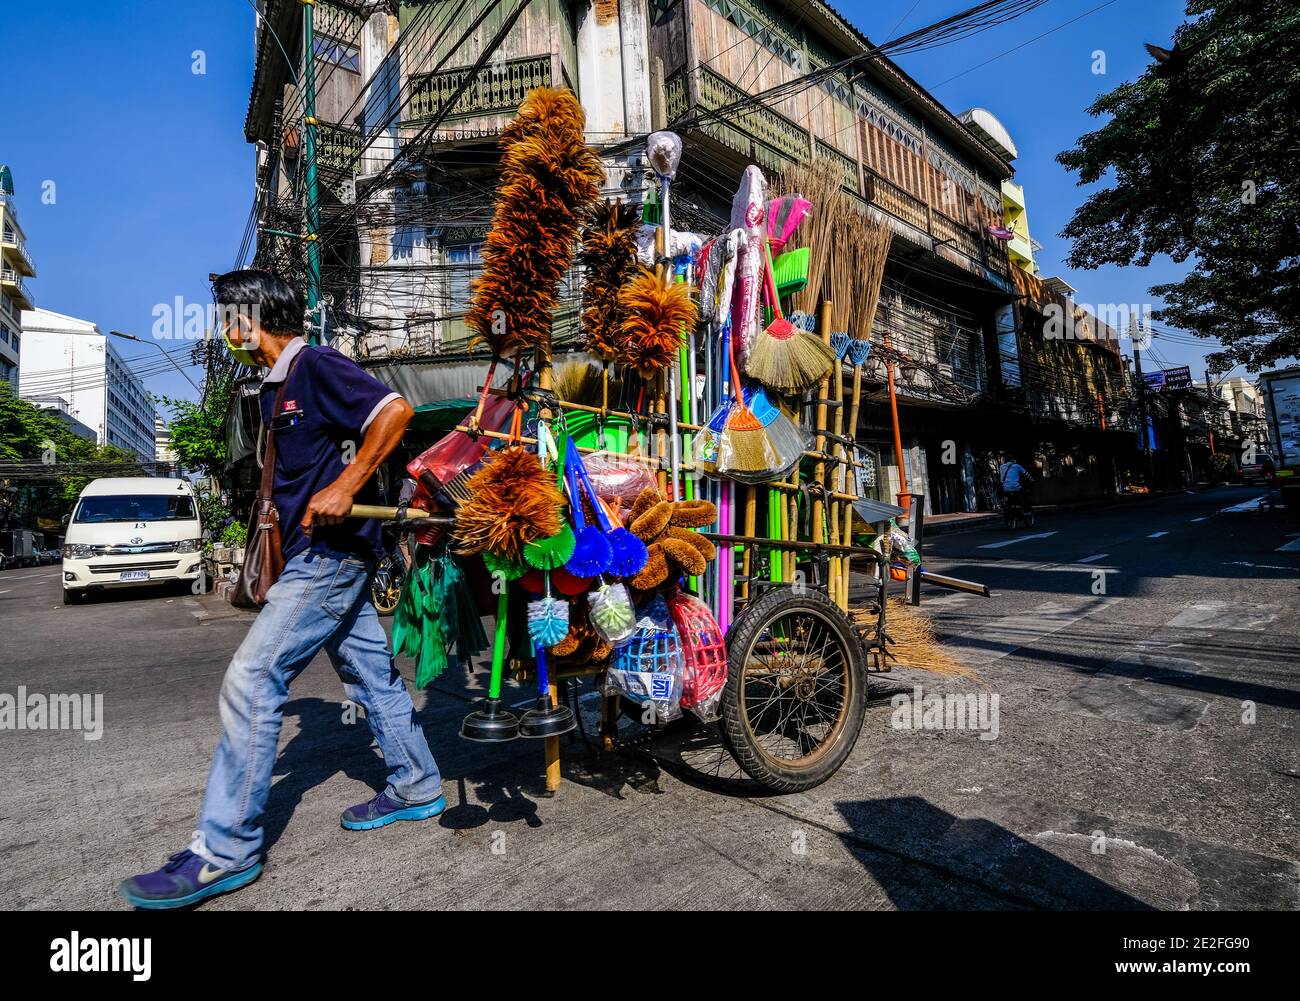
pixel 796 690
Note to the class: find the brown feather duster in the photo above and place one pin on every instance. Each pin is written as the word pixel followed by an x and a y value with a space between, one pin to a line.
pixel 512 501
pixel 656 315
pixel 609 259
pixel 549 179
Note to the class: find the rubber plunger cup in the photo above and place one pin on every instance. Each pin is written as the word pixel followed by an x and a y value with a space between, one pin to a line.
pixel 491 723
pixel 546 720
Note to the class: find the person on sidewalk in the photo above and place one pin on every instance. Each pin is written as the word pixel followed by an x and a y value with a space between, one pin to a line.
pixel 333 425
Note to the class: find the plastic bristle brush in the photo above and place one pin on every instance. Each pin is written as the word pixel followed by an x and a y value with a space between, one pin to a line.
pixel 781 431
pixel 747 449
pixel 548 619
pixel 611 613
pixel 592 554
pixel 554 551
pixel 628 554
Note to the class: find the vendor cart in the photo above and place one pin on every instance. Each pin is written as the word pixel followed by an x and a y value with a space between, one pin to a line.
pixel 722 584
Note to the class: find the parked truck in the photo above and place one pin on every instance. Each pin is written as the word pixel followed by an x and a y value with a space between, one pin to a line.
pixel 1281 392
pixel 18 548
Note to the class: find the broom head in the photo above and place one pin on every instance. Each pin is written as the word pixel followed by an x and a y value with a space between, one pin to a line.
pixel 788 358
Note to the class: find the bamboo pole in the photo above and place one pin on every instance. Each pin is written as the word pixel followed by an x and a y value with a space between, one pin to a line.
pixel 819 526
pixel 551 745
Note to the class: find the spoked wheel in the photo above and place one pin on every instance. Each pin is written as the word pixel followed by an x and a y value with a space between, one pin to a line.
pixel 386 589
pixel 796 690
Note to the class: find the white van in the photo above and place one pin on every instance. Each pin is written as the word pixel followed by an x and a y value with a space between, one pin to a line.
pixel 131 530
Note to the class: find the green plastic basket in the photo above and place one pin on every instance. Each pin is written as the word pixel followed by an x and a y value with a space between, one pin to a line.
pixel 584 430
pixel 790 271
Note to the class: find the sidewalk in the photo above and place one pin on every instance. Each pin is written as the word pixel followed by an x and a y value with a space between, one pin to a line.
pixel 969 521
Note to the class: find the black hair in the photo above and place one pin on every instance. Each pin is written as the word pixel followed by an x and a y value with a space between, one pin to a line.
pixel 278 305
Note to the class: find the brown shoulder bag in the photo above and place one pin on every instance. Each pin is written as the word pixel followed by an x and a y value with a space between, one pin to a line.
pixel 263 556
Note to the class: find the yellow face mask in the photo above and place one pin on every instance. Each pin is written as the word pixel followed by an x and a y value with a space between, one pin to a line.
pixel 240 352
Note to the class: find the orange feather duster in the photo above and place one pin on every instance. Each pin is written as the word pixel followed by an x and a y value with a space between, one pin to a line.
pixel 549 179
pixel 609 260
pixel 656 314
pixel 512 501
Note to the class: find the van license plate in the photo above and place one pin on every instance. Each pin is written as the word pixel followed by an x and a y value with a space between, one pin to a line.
pixel 135 575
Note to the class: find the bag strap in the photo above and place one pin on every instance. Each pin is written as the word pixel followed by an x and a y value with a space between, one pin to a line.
pixel 268 456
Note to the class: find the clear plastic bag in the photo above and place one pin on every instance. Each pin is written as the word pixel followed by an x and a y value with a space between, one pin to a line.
pixel 618 478
pixel 649 668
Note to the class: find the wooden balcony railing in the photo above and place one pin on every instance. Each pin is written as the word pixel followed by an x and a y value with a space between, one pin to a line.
pixel 495 90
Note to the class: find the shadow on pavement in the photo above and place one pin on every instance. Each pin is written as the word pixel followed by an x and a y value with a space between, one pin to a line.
pixel 976 852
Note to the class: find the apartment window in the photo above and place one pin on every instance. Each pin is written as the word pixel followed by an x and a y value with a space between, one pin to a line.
pixel 463 262
pixel 341 54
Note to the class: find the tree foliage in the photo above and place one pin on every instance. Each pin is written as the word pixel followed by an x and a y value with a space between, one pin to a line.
pixel 1204 161
pixel 47 463
pixel 198 430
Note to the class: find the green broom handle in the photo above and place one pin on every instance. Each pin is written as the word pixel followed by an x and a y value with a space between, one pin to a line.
pixel 499 643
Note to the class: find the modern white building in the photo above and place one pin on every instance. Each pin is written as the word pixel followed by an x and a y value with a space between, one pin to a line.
pixel 15 268
pixel 73 359
pixel 162 441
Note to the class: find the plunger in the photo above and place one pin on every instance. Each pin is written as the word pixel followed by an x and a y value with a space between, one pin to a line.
pixel 546 720
pixel 491 723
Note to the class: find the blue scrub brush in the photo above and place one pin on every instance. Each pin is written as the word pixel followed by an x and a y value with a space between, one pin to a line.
pixel 548 618
pixel 628 554
pixel 592 553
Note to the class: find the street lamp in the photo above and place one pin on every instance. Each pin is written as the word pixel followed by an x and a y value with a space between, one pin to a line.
pixel 141 340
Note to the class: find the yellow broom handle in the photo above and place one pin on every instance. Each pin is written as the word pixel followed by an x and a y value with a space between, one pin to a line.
pixel 387 513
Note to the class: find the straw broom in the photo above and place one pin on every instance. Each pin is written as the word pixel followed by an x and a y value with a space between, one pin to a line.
pixel 912 640
pixel 870 251
pixel 819 182
pixel 841 286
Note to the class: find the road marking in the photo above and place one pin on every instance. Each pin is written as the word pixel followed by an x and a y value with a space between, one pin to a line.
pixel 1194 520
pixel 1012 542
pixel 1259 566
pixel 32 576
pixel 1157 535
pixel 1249 505
pixel 1291 547
pixel 1094 559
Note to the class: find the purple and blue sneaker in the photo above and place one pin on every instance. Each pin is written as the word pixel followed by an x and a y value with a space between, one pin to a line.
pixel 384 810
pixel 184 880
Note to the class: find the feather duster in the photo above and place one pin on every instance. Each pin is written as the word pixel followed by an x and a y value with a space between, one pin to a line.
pixel 609 259
pixel 549 179
pixel 512 501
pixel 655 317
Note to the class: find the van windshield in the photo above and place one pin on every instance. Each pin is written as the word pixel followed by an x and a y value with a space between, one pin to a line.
pixel 136 507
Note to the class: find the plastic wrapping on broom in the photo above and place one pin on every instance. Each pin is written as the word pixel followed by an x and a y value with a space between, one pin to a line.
pixel 649 668
pixel 751 460
pixel 704 655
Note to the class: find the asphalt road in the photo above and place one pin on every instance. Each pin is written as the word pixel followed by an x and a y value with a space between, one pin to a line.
pixel 1147 754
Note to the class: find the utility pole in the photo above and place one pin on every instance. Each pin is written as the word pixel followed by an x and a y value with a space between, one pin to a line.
pixel 1143 435
pixel 313 206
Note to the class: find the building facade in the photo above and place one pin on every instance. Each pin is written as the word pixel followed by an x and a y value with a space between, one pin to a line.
pixel 72 359
pixel 411 103
pixel 16 268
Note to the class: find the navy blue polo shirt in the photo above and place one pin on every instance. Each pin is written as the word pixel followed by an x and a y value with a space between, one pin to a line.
pixel 328 404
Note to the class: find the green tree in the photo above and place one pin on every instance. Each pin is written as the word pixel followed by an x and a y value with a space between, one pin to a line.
pixel 198 430
pixel 1204 165
pixel 46 463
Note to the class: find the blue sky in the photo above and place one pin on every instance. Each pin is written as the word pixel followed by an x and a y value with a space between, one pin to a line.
pixel 154 179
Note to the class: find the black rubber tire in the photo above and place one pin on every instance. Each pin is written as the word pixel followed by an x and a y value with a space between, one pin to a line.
pixel 71 597
pixel 736 733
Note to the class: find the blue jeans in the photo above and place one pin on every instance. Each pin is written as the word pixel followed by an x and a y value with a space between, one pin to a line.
pixel 321 601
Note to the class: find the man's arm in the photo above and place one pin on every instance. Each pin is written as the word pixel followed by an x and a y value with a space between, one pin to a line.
pixel 331 505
